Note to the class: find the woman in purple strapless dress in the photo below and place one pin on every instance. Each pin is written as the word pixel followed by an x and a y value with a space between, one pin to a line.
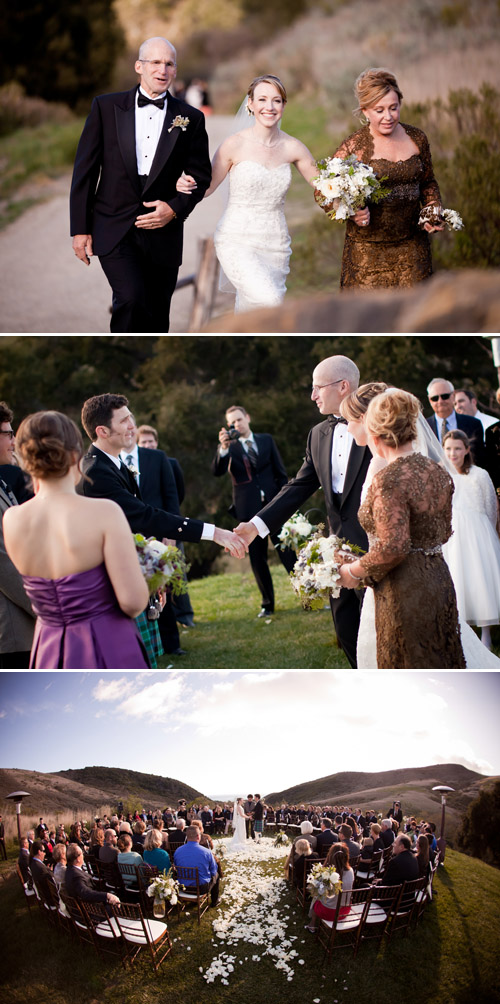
pixel 77 558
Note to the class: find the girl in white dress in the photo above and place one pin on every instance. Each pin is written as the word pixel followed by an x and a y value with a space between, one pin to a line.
pixel 252 240
pixel 473 552
pixel 239 840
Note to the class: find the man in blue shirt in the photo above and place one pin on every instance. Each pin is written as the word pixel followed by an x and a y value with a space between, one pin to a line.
pixel 192 855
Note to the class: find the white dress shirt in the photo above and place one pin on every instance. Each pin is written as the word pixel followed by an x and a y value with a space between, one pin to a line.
pixel 485 419
pixel 134 453
pixel 341 448
pixel 149 122
pixel 451 423
pixel 244 442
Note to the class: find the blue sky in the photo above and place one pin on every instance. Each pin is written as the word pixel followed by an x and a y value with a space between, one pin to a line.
pixel 224 732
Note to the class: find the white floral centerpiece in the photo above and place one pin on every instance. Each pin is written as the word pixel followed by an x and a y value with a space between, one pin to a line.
pixel 162 565
pixel 164 888
pixel 345 183
pixel 296 532
pixel 436 216
pixel 281 839
pixel 323 882
pixel 316 575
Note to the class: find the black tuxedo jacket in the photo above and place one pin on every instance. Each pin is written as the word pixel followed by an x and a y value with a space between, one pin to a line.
pixel 42 877
pixel 107 481
pixel 79 885
pixel 473 428
pixel 106 192
pixel 157 481
pixel 316 472
pixel 402 867
pixel 268 476
pixel 325 839
pixel 492 438
pixel 18 482
pixel 179 478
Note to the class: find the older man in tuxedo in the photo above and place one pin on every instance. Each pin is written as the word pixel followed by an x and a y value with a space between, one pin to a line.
pixel 441 394
pixel 124 204
pixel 335 463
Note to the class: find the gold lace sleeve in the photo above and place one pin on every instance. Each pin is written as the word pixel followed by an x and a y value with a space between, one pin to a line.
pixel 429 188
pixel 390 509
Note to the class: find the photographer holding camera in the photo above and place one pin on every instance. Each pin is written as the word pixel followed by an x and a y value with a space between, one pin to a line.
pixel 257 475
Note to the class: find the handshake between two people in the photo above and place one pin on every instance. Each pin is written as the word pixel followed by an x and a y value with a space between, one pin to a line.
pixel 236 541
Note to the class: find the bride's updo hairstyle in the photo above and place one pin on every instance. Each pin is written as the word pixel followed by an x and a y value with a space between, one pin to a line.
pixel 48 444
pixel 267 78
pixel 354 407
pixel 393 418
pixel 372 85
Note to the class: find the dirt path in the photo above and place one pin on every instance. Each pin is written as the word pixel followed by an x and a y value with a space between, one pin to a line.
pixel 43 286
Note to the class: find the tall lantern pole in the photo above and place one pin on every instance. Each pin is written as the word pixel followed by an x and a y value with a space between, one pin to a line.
pixel 17 797
pixel 441 843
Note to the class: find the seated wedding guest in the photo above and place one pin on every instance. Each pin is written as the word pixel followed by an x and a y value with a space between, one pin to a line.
pixel 205 838
pixel 432 851
pixel 302 853
pixel 306 831
pixel 473 551
pixel 61 837
pixel 42 875
pixel 218 818
pixel 326 837
pixel 192 855
pixel 178 836
pixel 206 816
pixel 24 861
pixel 59 862
pixel 126 856
pixel 75 835
pixel 78 883
pixel 108 853
pixel 139 835
pixel 345 835
pixel 356 832
pixel 422 854
pixel 403 866
pixel 96 841
pixel 375 833
pixel 387 835
pixel 154 852
pixel 76 555
pixel 338 857
pixel 367 851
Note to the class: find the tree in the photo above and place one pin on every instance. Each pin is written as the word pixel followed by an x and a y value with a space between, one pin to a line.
pixel 60 50
pixel 479 835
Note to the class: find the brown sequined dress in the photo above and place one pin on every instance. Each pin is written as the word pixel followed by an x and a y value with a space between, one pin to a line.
pixel 392 250
pixel 407 516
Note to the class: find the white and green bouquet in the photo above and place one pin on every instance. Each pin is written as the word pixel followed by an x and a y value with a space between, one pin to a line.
pixel 436 216
pixel 323 882
pixel 316 574
pixel 345 184
pixel 164 887
pixel 162 565
pixel 281 839
pixel 296 532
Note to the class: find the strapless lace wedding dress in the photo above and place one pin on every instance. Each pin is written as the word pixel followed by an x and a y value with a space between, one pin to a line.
pixel 252 240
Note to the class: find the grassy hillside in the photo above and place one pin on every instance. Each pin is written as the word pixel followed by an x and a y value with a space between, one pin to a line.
pixel 450 958
pixel 337 786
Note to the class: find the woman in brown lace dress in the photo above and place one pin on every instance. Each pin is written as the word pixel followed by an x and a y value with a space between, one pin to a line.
pixel 407 516
pixel 384 245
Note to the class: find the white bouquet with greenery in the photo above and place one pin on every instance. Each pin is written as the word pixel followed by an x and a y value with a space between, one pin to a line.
pixel 164 886
pixel 345 184
pixel 323 882
pixel 296 532
pixel 162 565
pixel 436 216
pixel 281 839
pixel 316 575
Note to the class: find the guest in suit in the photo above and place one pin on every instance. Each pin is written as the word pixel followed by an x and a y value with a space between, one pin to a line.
pixel 466 404
pixel 335 463
pixel 441 394
pixel 326 837
pixel 124 204
pixel 155 477
pixel 403 866
pixel 107 421
pixel 24 861
pixel 17 620
pixel 42 876
pixel 387 835
pixel 257 474
pixel 78 883
pixel 396 813
pixel 147 438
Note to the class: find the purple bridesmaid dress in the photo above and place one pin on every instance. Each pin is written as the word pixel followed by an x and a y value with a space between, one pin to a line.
pixel 80 625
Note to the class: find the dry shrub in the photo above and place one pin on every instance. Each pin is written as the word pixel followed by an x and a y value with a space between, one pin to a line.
pixel 18 111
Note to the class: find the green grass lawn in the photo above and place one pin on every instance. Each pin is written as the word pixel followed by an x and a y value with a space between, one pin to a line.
pixel 228 634
pixel 451 958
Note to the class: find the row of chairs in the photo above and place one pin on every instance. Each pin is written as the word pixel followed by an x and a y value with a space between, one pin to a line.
pixel 113 877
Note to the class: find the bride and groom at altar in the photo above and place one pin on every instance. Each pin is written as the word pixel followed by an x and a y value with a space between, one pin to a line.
pixel 142 165
pixel 239 840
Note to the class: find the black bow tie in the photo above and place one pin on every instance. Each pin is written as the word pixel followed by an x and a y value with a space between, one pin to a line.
pixel 336 420
pixel 143 100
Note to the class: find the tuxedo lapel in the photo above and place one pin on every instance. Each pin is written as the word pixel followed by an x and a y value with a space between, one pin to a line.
pixel 125 130
pixel 325 464
pixel 356 457
pixel 8 498
pixel 166 141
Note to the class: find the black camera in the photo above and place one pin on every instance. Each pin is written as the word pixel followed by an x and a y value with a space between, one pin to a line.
pixel 233 432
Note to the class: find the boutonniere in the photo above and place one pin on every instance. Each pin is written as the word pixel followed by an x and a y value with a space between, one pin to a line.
pixel 179 123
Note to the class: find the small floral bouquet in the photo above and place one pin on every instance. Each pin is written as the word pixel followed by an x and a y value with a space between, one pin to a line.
pixel 295 532
pixel 316 573
pixel 323 882
pixel 162 565
pixel 281 839
pixel 436 216
pixel 164 887
pixel 345 184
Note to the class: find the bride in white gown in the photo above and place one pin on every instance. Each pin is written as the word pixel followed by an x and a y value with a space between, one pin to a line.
pixel 239 839
pixel 477 656
pixel 252 240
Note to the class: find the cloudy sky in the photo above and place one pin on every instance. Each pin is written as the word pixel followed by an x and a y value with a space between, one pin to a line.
pixel 224 732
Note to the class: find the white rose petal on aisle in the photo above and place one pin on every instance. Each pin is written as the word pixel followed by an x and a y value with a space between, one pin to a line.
pixel 249 911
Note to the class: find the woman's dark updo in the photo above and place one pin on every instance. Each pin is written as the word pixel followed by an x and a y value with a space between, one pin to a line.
pixel 48 444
